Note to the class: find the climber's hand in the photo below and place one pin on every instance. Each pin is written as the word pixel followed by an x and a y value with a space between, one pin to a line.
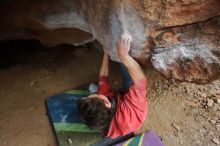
pixel 123 44
pixel 134 69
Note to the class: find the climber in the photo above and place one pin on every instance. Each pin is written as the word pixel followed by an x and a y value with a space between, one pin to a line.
pixel 121 112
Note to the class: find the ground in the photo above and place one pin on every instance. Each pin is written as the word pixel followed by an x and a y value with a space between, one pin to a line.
pixel 181 113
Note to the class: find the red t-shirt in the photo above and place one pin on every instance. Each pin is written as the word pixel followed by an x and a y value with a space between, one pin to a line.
pixel 131 108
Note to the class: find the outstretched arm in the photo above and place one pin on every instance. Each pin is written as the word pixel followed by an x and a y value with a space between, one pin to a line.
pixel 104 67
pixel 103 87
pixel 134 69
pixel 135 105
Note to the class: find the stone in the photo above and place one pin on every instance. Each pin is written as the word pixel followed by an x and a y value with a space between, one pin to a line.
pixel 210 102
pixel 216 118
pixel 199 93
pixel 204 95
pixel 213 121
pixel 199 142
pixel 177 38
pixel 192 103
pixel 217 127
pixel 216 107
pixel 202 131
pixel 181 142
pixel 218 101
pixel 210 133
pixel 216 141
pixel 69 141
pixel 176 127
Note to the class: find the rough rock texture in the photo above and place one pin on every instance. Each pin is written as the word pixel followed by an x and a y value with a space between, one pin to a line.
pixel 180 38
pixel 189 54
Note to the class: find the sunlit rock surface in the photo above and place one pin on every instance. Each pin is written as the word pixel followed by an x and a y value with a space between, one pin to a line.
pixel 179 38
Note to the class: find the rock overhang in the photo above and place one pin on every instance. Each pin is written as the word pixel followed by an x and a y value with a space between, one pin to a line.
pixel 180 38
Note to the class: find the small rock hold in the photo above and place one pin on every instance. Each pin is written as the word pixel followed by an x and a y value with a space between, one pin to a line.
pixel 210 102
pixel 4 142
pixel 216 141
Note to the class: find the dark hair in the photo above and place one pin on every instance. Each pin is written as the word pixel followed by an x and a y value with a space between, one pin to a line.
pixel 95 114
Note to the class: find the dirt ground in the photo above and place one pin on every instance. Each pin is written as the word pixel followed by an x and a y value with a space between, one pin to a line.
pixel 181 113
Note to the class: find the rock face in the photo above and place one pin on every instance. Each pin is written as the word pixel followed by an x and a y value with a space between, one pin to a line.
pixel 180 38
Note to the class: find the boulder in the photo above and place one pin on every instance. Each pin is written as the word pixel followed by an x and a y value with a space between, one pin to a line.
pixel 179 38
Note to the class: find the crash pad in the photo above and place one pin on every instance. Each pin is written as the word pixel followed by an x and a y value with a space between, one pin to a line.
pixel 70 131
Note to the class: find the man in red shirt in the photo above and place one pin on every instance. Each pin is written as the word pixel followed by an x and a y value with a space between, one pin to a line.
pixel 117 113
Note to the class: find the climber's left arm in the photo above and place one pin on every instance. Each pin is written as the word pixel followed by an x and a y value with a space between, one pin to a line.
pixel 104 87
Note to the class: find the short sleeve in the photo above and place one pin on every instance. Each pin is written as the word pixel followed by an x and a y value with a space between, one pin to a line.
pixel 103 85
pixel 131 110
pixel 137 92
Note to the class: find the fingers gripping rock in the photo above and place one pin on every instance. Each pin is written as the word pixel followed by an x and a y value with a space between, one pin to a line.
pixel 126 40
